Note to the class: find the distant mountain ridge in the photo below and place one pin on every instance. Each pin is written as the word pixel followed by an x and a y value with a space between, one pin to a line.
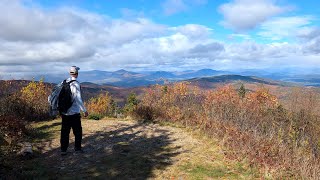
pixel 211 82
pixel 231 78
pixel 124 78
pixel 119 90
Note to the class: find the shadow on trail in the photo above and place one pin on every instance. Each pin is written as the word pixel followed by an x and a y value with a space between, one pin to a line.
pixel 41 128
pixel 40 133
pixel 128 152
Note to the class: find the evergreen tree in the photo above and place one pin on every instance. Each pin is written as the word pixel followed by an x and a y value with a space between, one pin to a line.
pixel 165 89
pixel 242 91
pixel 131 103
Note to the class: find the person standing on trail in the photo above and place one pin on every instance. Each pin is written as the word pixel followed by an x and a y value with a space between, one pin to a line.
pixel 72 118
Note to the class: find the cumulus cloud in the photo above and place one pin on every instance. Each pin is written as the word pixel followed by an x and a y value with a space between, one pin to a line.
pixel 308 33
pixel 19 23
pixel 284 27
pixel 163 49
pixel 193 30
pixel 254 52
pixel 209 51
pixel 314 46
pixel 88 39
pixel 243 15
pixel 311 41
pixel 38 40
pixel 32 35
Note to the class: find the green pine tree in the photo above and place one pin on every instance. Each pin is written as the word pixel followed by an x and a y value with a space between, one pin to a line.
pixel 131 103
pixel 242 91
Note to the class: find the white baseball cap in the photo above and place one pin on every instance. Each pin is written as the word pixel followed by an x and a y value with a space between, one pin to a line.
pixel 74 70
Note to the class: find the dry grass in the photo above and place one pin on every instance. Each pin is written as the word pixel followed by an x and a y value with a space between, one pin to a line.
pixel 124 149
pixel 283 142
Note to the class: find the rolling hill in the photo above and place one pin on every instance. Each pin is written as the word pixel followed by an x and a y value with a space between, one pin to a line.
pixel 211 82
pixel 127 79
pixel 121 90
pixel 124 78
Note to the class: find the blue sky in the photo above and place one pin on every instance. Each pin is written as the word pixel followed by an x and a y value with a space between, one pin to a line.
pixel 39 36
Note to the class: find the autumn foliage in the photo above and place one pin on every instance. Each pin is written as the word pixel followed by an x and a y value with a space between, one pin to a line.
pixel 34 95
pixel 253 125
pixel 281 137
pixel 100 106
pixel 18 106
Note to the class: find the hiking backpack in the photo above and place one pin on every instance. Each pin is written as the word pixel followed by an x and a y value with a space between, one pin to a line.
pixel 60 99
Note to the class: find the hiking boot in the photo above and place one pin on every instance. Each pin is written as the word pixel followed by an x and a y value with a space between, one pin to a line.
pixel 63 153
pixel 78 151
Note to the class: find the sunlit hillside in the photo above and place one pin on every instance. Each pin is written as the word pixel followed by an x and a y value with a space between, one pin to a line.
pixel 271 124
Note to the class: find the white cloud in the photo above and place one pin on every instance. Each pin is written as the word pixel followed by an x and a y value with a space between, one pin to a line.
pixel 210 51
pixel 308 33
pixel 156 50
pixel 22 24
pixel 250 54
pixel 194 31
pixel 103 41
pixel 312 46
pixel 310 39
pixel 240 36
pixel 30 35
pixel 35 40
pixel 284 27
pixel 243 15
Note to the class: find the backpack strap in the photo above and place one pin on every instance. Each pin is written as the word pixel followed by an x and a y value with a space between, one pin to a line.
pixel 71 81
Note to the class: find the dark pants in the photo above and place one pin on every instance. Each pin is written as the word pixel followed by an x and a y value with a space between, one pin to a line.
pixel 68 122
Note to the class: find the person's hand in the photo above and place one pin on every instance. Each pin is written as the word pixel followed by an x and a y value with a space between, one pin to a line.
pixel 86 114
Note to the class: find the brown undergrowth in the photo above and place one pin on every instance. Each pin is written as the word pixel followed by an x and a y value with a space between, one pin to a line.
pixel 19 105
pixel 283 142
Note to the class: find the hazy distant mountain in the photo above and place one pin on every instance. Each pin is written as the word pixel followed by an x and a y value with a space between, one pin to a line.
pixel 124 73
pixel 230 78
pixel 211 82
pixel 307 80
pixel 161 74
pixel 201 73
pixel 92 76
pixel 124 78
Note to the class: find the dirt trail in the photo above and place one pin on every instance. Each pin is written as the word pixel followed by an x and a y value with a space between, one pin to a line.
pixel 129 150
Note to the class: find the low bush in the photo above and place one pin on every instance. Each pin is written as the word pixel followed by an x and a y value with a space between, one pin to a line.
pixel 20 104
pixel 95 116
pixel 253 125
pixel 101 106
pixel 131 105
pixel 35 95
pixel 144 113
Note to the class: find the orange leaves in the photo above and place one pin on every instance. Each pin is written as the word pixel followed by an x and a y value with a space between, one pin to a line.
pixel 263 97
pixel 35 94
pixel 101 105
pixel 172 102
pixel 180 89
pixel 225 103
pixel 177 100
pixel 252 123
pixel 17 107
pixel 223 95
